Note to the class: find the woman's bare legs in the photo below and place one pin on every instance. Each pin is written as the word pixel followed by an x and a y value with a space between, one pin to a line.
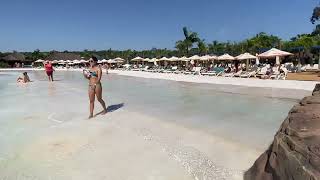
pixel 99 97
pixel 91 98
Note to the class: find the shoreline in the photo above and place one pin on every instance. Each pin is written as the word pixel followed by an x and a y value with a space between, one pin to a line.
pixel 242 82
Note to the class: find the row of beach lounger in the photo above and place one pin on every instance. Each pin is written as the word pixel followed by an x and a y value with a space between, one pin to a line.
pixel 220 71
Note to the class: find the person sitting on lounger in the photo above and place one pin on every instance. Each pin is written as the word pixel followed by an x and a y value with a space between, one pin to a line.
pixel 228 70
pixel 24 79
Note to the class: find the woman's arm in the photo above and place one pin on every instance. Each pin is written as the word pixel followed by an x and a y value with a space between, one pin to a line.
pixel 85 75
pixel 28 79
pixel 99 74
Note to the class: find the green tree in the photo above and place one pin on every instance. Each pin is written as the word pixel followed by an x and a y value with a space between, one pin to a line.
pixel 263 40
pixel 202 47
pixel 36 54
pixel 187 43
pixel 315 15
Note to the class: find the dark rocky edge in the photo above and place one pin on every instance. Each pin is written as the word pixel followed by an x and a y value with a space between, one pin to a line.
pixel 295 151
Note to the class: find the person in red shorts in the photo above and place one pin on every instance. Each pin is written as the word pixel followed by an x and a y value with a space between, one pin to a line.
pixel 49 70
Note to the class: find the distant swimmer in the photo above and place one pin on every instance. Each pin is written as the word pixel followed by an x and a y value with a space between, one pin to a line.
pixel 49 70
pixel 95 88
pixel 24 79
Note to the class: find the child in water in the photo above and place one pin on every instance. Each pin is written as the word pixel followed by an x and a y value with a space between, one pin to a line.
pixel 24 79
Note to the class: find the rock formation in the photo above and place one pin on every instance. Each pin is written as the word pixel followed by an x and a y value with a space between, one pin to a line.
pixel 295 151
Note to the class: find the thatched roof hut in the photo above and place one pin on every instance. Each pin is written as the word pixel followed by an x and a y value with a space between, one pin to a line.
pixel 63 56
pixel 14 57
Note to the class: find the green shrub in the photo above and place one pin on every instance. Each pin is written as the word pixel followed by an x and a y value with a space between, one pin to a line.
pixel 4 65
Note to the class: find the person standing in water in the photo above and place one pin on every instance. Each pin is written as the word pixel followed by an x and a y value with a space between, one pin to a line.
pixel 49 70
pixel 95 88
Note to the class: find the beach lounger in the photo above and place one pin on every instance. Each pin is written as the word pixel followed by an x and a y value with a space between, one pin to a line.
pixel 238 74
pixel 197 71
pixel 215 72
pixel 227 74
pixel 189 72
pixel 248 74
pixel 220 73
pixel 209 73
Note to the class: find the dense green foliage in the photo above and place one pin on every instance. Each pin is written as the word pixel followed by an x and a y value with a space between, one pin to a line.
pixel 4 65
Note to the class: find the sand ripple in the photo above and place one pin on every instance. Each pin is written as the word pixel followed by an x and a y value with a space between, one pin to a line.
pixel 195 162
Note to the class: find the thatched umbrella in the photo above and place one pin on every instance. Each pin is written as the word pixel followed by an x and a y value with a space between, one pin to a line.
pixel 246 56
pixel 274 53
pixel 14 57
pixel 137 59
pixel 39 61
pixel 226 57
pixel 63 56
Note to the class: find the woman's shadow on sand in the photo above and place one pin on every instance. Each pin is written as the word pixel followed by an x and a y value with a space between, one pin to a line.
pixel 112 108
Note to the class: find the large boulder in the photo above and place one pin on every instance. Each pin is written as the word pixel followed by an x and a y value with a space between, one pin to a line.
pixel 295 151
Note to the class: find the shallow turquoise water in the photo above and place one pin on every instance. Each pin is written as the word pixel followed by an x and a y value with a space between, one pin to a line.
pixel 244 123
pixel 243 118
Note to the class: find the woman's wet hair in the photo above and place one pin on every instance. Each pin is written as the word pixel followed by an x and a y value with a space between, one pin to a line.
pixel 25 73
pixel 95 59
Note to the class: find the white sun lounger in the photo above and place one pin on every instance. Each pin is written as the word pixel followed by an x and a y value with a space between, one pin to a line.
pixel 248 74
pixel 209 73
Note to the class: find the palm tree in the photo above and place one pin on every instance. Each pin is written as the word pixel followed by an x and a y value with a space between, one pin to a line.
pixel 187 43
pixel 181 46
pixel 202 47
pixel 190 38
pixel 315 15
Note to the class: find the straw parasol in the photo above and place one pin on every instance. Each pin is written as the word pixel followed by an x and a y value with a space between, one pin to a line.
pixel 64 56
pixel 173 59
pixel 104 60
pixel 274 53
pixel 111 61
pixel 137 59
pixel 76 61
pixel 213 57
pixel 39 61
pixel 246 56
pixel 146 59
pixel 205 58
pixel 195 57
pixel 118 59
pixel 184 58
pixel 14 57
pixel 164 59
pixel 226 57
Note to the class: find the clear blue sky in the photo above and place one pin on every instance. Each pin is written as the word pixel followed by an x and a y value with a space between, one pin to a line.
pixel 143 24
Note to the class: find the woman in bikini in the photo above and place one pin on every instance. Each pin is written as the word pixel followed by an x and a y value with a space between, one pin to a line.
pixel 95 88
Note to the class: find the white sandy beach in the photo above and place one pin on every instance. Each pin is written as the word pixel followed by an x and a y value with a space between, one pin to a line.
pixel 285 84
